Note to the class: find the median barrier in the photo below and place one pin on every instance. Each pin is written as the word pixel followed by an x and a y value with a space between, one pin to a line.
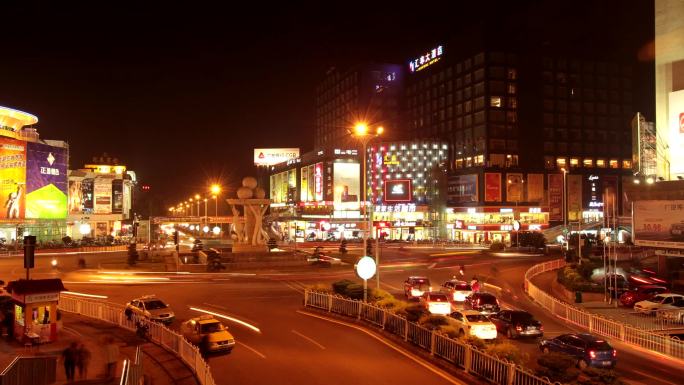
pixel 466 357
pixel 158 333
pixel 603 326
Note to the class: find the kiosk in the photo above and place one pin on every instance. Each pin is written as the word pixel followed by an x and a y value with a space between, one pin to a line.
pixel 35 309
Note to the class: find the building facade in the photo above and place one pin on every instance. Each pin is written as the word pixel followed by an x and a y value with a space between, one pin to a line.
pixel 33 180
pixel 100 200
pixel 370 93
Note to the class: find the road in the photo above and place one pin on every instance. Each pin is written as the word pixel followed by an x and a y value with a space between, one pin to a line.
pixel 292 347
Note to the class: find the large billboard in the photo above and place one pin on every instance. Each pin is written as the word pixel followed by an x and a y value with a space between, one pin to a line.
pixel 12 178
pixel 535 187
pixel 659 223
pixel 102 196
pixel 462 189
pixel 575 197
pixel 347 188
pixel 46 181
pixel 515 187
pixel 492 184
pixel 117 196
pixel 271 156
pixel 88 195
pixel 555 197
pixel 398 190
pixel 676 129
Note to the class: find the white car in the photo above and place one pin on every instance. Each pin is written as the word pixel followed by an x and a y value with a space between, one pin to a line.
pixel 658 302
pixel 471 322
pixel 672 312
pixel 150 307
pixel 436 303
pixel 457 290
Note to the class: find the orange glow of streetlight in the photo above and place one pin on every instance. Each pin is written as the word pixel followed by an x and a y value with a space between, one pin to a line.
pixel 215 189
pixel 197 196
pixel 361 129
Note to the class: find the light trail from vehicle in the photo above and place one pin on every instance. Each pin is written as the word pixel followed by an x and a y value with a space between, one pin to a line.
pixel 243 323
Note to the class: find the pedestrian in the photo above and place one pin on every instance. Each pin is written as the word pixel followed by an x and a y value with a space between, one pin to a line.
pixel 111 357
pixel 204 346
pixel 82 361
pixel 69 356
pixel 475 285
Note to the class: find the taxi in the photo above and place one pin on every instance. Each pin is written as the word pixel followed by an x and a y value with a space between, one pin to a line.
pixel 219 339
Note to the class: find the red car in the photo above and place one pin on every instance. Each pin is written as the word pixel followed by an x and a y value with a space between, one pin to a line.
pixel 641 293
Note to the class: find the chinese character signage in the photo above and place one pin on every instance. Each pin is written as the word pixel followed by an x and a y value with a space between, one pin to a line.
pixel 659 223
pixel 535 187
pixel 271 156
pixel 555 197
pixel 462 188
pixel 429 58
pixel 492 187
pixel 398 190
pixel 318 181
pixel 46 181
pixel 675 139
pixel 12 178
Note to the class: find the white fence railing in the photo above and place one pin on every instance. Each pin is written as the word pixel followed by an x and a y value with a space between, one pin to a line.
pixel 158 333
pixel 597 324
pixel 462 355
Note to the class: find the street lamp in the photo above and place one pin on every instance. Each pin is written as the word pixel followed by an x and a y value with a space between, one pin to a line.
pixel 364 135
pixel 190 203
pixel 517 200
pixel 206 218
pixel 565 208
pixel 197 199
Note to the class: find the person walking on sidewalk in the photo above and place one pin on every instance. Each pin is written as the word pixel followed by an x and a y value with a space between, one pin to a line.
pixel 111 357
pixel 69 356
pixel 82 361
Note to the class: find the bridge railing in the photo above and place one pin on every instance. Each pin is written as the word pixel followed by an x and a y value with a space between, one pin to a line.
pixel 157 333
pixel 494 369
pixel 597 324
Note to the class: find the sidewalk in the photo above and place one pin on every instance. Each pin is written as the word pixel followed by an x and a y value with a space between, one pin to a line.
pixel 159 366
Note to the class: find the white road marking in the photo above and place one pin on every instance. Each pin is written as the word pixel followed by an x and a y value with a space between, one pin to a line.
pixel 390 286
pixel 396 348
pixel 72 331
pixel 653 378
pixel 291 287
pixel 308 339
pixel 252 349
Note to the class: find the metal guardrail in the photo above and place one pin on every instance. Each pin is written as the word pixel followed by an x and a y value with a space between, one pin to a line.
pixel 30 371
pixel 470 359
pixel 132 371
pixel 641 337
pixel 158 333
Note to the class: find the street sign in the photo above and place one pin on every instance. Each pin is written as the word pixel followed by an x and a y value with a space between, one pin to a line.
pixel 366 268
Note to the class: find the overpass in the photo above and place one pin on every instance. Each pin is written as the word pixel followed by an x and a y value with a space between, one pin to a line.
pixel 192 219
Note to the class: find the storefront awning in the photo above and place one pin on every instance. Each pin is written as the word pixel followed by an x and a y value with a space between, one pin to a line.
pixel 35 286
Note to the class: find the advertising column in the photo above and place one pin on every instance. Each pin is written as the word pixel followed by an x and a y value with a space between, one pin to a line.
pixel 555 197
pixel 12 178
pixel 575 197
pixel 46 182
pixel 492 187
pixel 103 196
pixel 535 187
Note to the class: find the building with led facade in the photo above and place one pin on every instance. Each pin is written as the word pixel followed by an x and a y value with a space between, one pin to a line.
pixel 100 200
pixel 33 180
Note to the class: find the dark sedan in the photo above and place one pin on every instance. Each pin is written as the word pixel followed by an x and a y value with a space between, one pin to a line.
pixel 517 323
pixel 485 303
pixel 589 350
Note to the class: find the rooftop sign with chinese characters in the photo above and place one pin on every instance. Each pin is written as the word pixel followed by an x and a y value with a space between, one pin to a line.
pixel 426 60
pixel 272 156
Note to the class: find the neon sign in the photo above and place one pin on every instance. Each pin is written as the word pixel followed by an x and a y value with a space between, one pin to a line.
pixel 423 61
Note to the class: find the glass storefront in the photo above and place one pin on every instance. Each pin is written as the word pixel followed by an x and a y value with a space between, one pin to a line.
pixel 474 225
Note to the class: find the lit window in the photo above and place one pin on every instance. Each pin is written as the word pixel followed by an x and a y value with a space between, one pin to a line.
pixel 561 162
pixel 495 101
pixel 574 162
pixel 469 162
pixel 626 163
pixel 601 163
pixel 588 163
pixel 613 163
pixel 459 163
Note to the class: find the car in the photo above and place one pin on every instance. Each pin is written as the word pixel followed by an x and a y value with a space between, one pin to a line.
pixel 517 323
pixel 641 293
pixel 323 260
pixel 471 322
pixel 672 312
pixel 457 290
pixel 657 302
pixel 150 307
pixel 485 303
pixel 415 287
pixel 206 326
pixel 436 303
pixel 587 349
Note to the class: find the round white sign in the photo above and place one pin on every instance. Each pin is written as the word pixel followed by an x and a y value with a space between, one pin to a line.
pixel 365 267
pixel 516 225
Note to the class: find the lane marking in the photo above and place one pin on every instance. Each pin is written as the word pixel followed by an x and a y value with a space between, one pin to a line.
pixel 286 283
pixel 454 253
pixel 72 331
pixel 653 378
pixel 396 348
pixel 243 323
pixel 390 286
pixel 308 339
pixel 252 349
pixel 86 295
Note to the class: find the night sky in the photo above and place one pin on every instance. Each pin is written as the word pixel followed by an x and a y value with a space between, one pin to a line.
pixel 182 94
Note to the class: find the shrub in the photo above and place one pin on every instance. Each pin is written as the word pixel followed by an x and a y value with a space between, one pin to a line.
pixel 348 289
pixel 414 311
pixel 377 295
pixel 320 287
pixel 474 342
pixel 432 321
pixel 340 287
pixel 393 304
pixel 496 246
pixel 67 240
pixel 508 351
pixel 449 330
pixel 594 376
pixel 557 367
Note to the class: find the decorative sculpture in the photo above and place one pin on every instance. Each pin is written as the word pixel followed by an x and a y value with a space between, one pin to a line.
pixel 249 234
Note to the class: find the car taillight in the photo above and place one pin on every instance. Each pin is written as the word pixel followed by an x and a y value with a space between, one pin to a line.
pixel 518 328
pixel 541 327
pixel 614 353
pixel 592 354
pixel 478 302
